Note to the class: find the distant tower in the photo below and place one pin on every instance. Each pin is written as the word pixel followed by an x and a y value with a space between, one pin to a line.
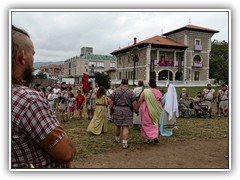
pixel 86 50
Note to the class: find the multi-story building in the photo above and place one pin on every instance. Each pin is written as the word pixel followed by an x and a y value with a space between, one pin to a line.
pixel 180 56
pixel 88 63
pixel 54 71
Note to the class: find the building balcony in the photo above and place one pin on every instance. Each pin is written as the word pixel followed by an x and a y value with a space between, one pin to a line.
pixel 197 47
pixel 167 63
pixel 178 63
pixel 197 64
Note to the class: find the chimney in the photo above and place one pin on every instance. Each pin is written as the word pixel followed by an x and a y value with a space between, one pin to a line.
pixel 134 40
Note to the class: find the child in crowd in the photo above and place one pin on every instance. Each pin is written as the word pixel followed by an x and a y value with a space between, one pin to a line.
pixel 71 104
pixel 62 106
pixel 51 100
pixel 184 92
pixel 80 99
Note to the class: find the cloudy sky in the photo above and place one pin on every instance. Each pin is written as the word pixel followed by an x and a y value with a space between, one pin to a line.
pixel 58 36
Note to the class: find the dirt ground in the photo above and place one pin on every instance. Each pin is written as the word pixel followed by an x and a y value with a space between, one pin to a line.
pixel 206 154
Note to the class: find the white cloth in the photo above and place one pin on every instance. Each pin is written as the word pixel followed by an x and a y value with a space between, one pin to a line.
pixel 109 92
pixel 56 90
pixel 51 99
pixel 137 91
pixel 171 104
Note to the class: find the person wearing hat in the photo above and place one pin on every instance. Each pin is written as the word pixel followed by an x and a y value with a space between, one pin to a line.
pixel 209 95
pixel 222 99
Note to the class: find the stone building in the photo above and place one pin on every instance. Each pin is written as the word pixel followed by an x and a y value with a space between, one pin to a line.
pixel 180 56
pixel 88 63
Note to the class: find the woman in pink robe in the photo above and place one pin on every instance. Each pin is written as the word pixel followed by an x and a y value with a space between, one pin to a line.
pixel 149 130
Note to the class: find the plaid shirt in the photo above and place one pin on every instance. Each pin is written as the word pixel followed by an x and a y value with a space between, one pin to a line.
pixel 31 122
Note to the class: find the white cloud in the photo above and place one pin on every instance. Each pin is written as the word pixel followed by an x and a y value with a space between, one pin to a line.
pixel 67 32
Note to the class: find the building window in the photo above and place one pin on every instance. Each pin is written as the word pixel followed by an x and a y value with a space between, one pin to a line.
pixel 112 65
pixel 92 64
pixel 197 46
pixel 100 64
pixel 196 76
pixel 120 75
pixel 197 61
pixel 100 70
pixel 197 42
pixel 120 61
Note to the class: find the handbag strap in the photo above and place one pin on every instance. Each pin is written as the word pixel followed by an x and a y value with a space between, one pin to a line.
pixel 120 97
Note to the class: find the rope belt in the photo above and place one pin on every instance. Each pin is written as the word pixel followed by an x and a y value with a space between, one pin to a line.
pixel 100 104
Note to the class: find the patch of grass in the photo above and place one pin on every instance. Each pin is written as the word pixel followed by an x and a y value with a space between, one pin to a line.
pixel 88 144
pixel 188 129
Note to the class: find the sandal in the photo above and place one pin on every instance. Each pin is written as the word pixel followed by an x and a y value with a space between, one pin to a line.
pixel 147 141
pixel 124 145
pixel 117 141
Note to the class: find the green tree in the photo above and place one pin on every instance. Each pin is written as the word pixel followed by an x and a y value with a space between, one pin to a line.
pixel 102 80
pixel 134 56
pixel 41 75
pixel 218 65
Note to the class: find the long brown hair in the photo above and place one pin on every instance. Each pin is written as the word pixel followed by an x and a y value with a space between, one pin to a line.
pixel 101 91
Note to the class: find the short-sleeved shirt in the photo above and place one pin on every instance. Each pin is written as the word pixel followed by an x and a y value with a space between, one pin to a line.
pixel 208 94
pixel 123 115
pixel 32 122
pixel 56 90
pixel 51 98
pixel 80 99
pixel 223 95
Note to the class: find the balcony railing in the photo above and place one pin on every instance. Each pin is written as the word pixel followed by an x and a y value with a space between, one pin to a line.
pixel 167 63
pixel 177 62
pixel 197 47
pixel 197 64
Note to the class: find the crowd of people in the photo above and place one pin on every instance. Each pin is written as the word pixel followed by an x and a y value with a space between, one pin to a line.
pixel 202 104
pixel 39 140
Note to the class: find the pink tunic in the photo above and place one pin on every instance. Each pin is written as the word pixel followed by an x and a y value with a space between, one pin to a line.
pixel 149 130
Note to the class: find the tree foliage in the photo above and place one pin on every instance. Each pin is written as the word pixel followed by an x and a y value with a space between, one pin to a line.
pixel 134 54
pixel 102 80
pixel 219 59
pixel 41 75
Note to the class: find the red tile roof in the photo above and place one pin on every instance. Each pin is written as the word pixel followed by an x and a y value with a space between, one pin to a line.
pixel 191 27
pixel 159 40
pixel 156 40
pixel 52 66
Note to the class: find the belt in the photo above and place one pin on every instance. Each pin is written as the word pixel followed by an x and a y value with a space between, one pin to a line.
pixel 100 104
pixel 123 106
pixel 224 100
